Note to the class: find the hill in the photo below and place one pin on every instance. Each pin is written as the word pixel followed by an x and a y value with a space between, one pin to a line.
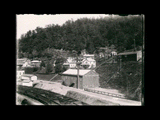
pixel 127 80
pixel 82 34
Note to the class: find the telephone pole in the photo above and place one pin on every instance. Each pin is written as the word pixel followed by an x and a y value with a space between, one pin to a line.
pixel 77 65
pixel 134 45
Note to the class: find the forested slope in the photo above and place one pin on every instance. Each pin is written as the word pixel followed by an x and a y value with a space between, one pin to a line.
pixel 82 34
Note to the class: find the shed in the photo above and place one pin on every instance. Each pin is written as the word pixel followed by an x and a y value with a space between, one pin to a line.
pixel 87 78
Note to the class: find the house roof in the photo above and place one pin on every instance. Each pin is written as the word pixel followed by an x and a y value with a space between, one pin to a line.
pixel 28 75
pixel 20 61
pixel 88 55
pixel 73 62
pixel 65 63
pixel 35 61
pixel 90 59
pixel 127 53
pixel 74 72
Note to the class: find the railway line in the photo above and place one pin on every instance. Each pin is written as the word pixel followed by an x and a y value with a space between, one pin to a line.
pixel 73 96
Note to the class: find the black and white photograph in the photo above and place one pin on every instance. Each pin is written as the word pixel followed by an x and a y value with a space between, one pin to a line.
pixel 80 59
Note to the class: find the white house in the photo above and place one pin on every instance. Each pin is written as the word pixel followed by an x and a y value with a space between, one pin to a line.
pixel 19 74
pixel 72 64
pixel 27 63
pixel 114 53
pixel 89 61
pixel 101 54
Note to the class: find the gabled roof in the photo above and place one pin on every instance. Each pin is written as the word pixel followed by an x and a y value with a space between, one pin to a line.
pixel 88 55
pixel 28 75
pixel 65 63
pixel 35 61
pixel 20 61
pixel 74 72
pixel 88 59
pixel 129 53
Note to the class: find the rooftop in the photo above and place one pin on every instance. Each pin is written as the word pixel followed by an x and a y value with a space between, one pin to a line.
pixel 74 72
pixel 28 75
pixel 128 53
pixel 35 61
pixel 88 55
pixel 20 61
pixel 90 59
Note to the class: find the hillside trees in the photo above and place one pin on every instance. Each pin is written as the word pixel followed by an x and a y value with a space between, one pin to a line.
pixel 82 34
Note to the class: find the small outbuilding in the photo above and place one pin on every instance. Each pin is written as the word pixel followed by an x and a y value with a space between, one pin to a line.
pixel 87 78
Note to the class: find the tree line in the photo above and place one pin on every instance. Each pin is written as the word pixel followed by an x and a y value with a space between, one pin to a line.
pixel 84 33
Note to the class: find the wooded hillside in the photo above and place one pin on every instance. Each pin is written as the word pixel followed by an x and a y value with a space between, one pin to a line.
pixel 83 34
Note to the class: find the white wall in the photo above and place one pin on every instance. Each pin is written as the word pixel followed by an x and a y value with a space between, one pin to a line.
pixel 139 55
pixel 19 73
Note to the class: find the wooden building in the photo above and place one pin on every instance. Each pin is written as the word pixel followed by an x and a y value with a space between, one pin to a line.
pixel 130 56
pixel 87 78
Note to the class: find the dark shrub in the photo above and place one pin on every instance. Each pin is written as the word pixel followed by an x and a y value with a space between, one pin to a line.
pixel 35 69
pixel 49 68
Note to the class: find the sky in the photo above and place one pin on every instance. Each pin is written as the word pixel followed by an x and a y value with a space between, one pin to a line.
pixel 28 22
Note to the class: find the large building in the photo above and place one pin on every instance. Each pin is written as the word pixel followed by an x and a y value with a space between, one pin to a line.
pixel 87 78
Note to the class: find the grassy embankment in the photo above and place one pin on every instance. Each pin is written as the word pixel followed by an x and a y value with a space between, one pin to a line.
pixel 127 81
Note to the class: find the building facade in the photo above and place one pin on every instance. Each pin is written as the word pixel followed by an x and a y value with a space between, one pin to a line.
pixel 130 56
pixel 89 61
pixel 87 78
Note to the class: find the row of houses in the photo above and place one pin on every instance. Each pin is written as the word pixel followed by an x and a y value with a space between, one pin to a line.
pixel 89 78
pixel 87 59
pixel 127 55
pixel 25 62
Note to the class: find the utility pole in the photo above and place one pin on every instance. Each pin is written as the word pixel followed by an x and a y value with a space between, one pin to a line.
pixel 127 86
pixel 77 64
pixel 134 41
pixel 134 45
pixel 120 64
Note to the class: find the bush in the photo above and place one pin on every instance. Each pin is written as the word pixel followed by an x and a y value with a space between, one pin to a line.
pixel 59 68
pixel 42 64
pixel 85 66
pixel 35 69
pixel 49 68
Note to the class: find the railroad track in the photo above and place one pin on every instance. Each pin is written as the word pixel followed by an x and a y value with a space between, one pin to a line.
pixel 104 93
